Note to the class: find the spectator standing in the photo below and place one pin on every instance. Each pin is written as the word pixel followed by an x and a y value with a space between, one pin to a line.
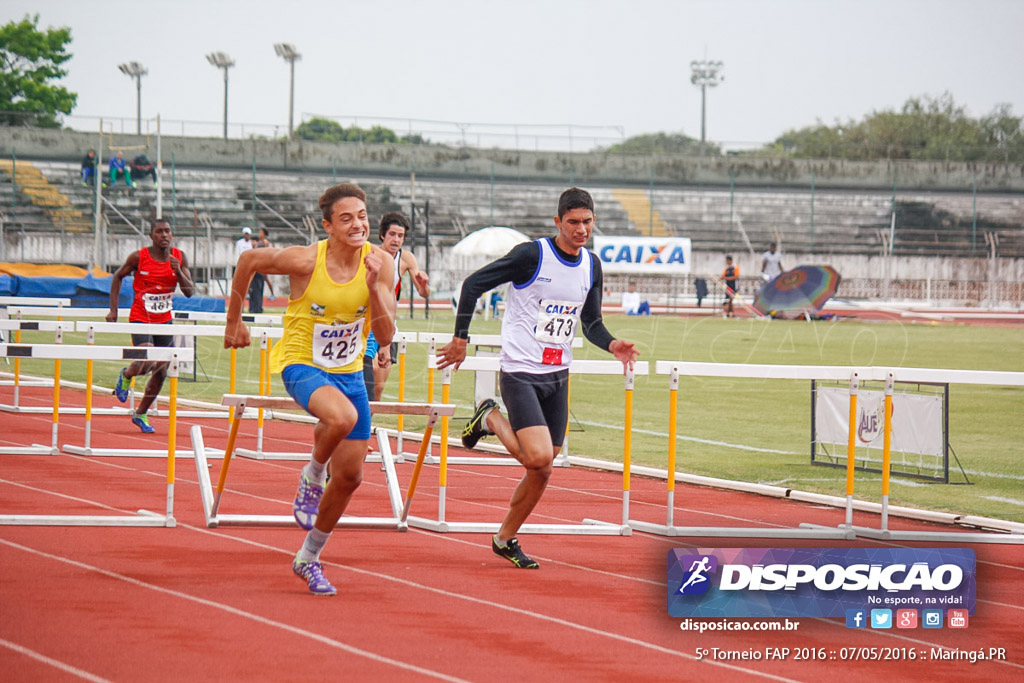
pixel 632 303
pixel 89 167
pixel 244 243
pixel 142 167
pixel 119 168
pixel 771 263
pixel 259 279
pixel 700 286
pixel 730 276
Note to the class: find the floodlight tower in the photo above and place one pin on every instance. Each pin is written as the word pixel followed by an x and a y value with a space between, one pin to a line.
pixel 222 61
pixel 136 71
pixel 287 52
pixel 705 74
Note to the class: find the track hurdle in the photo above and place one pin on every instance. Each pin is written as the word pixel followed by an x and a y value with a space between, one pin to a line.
pixel 587 527
pixel 56 302
pixel 56 326
pixel 400 511
pixel 1015 535
pixel 674 370
pixel 144 518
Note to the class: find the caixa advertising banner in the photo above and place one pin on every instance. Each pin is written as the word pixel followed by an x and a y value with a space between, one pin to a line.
pixel 817 582
pixel 643 255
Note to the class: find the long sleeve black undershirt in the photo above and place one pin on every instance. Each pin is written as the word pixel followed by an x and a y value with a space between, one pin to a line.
pixel 518 267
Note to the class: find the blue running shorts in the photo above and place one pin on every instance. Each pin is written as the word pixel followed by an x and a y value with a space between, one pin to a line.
pixel 300 381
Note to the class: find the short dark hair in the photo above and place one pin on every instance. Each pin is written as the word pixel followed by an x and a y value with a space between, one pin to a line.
pixel 157 222
pixel 574 198
pixel 333 194
pixel 393 218
pixel 728 258
pixel 772 244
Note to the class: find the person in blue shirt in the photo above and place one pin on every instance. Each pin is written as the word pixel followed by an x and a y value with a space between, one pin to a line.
pixel 119 167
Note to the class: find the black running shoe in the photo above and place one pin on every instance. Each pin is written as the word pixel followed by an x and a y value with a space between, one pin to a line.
pixel 514 554
pixel 476 429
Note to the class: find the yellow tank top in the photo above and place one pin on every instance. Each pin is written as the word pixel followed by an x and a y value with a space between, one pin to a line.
pixel 327 326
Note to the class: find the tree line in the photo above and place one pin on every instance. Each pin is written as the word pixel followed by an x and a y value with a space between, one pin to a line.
pixel 926 128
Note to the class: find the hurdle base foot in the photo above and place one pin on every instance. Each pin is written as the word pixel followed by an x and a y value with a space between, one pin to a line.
pixel 848 530
pixel 624 529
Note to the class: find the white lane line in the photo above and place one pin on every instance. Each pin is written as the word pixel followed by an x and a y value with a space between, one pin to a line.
pixel 1000 499
pixel 236 612
pixel 55 663
pixel 501 606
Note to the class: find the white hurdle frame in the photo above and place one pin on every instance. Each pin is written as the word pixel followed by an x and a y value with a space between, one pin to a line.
pixel 586 527
pixel 18 326
pixel 211 497
pixel 1015 532
pixel 91 328
pixel 854 375
pixel 674 370
pixel 144 518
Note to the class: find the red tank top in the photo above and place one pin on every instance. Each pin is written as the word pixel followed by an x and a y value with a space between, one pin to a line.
pixel 154 288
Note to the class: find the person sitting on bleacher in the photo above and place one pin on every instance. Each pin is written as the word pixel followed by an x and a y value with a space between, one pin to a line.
pixel 119 168
pixel 142 167
pixel 89 167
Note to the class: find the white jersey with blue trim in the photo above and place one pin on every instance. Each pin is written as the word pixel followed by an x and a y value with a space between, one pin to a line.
pixel 542 315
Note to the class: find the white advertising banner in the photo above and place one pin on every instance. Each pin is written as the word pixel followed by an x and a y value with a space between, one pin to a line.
pixel 643 255
pixel 916 420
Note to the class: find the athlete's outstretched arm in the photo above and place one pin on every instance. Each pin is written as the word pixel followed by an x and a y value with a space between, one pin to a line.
pixel 297 262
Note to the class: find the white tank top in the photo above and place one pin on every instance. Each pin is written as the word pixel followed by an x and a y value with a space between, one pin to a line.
pixel 542 316
pixel 398 277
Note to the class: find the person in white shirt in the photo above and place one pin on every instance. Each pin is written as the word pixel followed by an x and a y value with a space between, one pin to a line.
pixel 245 242
pixel 771 263
pixel 631 303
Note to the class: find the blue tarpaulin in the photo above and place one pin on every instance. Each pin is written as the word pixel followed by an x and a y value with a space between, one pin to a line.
pixel 94 292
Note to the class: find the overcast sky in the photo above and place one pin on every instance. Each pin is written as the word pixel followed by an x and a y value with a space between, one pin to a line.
pixel 606 63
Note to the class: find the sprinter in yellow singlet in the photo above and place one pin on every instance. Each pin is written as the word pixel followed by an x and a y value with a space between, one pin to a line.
pixel 340 291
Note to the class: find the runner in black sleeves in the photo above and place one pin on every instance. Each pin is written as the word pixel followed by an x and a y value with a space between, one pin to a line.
pixel 557 287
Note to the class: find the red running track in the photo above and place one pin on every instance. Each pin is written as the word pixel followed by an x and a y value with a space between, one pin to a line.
pixel 191 603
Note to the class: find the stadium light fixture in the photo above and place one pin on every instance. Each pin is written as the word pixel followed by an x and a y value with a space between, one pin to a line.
pixel 287 52
pixel 706 74
pixel 136 71
pixel 221 60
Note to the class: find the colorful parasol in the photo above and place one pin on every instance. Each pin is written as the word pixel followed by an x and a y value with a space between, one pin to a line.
pixel 805 289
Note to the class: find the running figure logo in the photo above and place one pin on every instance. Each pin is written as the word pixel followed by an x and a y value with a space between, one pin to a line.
pixel 696 581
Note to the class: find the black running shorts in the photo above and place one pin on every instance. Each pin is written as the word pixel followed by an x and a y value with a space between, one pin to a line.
pixel 535 400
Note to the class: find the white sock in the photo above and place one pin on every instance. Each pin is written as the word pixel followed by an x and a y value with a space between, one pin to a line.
pixel 316 472
pixel 500 544
pixel 315 541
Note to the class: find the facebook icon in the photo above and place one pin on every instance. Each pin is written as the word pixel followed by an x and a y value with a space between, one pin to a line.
pixel 856 618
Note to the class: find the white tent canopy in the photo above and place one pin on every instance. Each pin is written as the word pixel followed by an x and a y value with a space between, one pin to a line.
pixel 488 243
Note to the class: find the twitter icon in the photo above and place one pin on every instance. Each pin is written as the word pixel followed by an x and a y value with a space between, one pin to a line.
pixel 881 618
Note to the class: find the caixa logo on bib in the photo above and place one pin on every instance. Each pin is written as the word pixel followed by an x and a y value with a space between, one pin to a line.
pixel 816 582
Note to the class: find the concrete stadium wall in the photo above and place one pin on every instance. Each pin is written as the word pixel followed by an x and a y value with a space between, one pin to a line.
pixel 593 168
